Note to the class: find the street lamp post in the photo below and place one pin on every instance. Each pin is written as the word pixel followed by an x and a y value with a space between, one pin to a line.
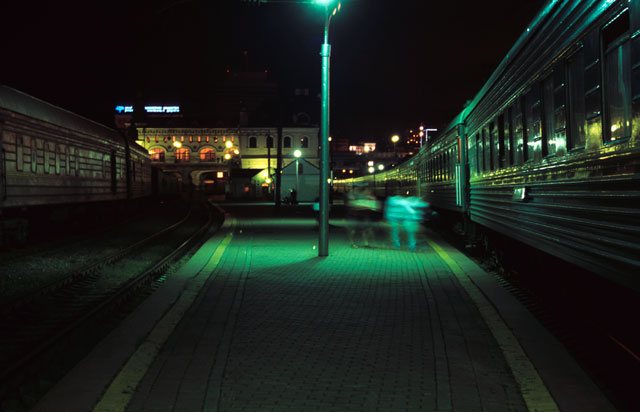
pixel 325 53
pixel 395 139
pixel 297 155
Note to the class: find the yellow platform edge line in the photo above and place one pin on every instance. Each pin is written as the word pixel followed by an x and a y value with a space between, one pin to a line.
pixel 121 390
pixel 534 391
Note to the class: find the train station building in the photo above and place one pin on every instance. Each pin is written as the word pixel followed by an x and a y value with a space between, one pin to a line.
pixel 238 162
pixel 232 144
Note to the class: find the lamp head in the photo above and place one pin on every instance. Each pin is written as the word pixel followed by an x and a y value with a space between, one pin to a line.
pixel 297 153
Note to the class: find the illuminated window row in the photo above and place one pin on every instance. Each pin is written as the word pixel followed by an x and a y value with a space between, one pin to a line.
pixel 252 142
pixel 207 154
pixel 191 139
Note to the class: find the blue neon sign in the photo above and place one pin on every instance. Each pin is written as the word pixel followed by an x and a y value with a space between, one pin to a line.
pixel 149 109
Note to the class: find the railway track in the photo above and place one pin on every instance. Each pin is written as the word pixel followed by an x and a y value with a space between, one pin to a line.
pixel 47 330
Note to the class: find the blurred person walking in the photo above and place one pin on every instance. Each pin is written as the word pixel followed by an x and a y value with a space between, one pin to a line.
pixel 361 209
pixel 404 212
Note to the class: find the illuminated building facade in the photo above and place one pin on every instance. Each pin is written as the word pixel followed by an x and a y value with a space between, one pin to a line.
pixel 207 157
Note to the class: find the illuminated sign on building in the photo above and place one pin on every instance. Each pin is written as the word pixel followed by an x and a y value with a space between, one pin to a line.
pixel 124 109
pixel 149 109
pixel 162 109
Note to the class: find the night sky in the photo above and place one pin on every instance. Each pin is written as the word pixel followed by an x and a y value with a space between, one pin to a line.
pixel 394 64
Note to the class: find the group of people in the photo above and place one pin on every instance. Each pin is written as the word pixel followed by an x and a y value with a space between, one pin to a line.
pixel 403 213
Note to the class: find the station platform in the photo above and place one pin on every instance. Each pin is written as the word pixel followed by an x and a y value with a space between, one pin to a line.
pixel 256 321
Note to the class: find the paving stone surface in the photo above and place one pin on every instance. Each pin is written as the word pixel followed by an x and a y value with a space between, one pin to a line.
pixel 368 329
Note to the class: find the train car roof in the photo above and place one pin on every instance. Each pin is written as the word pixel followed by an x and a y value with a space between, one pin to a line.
pixel 19 102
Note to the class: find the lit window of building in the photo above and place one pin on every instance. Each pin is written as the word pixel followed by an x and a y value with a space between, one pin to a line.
pixel 156 154
pixel 207 155
pixel 183 155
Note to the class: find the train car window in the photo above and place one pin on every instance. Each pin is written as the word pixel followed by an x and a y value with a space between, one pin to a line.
pixel 559 110
pixel 548 118
pixel 253 142
pixel 577 111
pixel 504 144
pixel 533 128
pixel 58 151
pixel 486 149
pixel 34 154
pixel 432 169
pixel 19 153
pixel 447 161
pixel 66 161
pixel 474 154
pixel 495 146
pixel 617 79
pixel 518 132
pixel 47 152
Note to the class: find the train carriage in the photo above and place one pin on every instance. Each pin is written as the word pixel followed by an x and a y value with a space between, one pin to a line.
pixel 549 149
pixel 553 150
pixel 439 169
pixel 52 158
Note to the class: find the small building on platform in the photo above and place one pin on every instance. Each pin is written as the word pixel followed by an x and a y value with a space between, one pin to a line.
pixel 307 181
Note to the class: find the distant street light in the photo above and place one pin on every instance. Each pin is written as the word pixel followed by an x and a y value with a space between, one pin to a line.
pixel 395 139
pixel 425 132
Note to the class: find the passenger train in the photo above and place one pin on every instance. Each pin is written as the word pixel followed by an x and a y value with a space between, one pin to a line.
pixel 548 151
pixel 52 159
